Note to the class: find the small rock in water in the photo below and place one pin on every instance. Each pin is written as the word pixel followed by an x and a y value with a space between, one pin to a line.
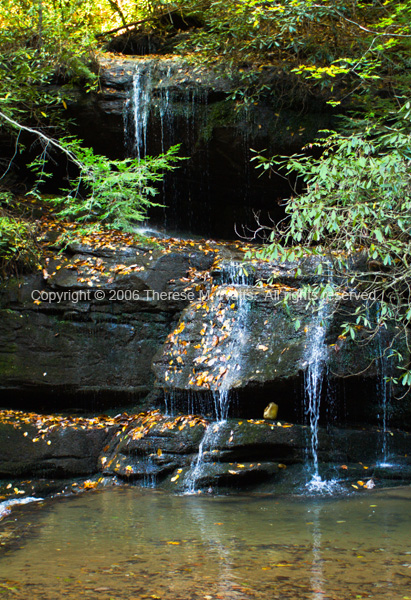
pixel 271 411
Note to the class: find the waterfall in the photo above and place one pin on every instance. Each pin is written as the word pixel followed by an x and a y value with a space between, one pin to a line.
pixel 222 394
pixel 383 388
pixel 161 112
pixel 209 441
pixel 383 391
pixel 234 273
pixel 313 384
pixel 138 110
pixel 316 355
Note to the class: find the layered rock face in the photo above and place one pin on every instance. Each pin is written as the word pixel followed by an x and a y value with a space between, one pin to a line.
pixel 86 335
pixel 52 446
pixel 148 104
pixel 257 344
pixel 111 325
pixel 159 450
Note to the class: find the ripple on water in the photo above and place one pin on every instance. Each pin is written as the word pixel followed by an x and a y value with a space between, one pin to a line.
pixel 129 543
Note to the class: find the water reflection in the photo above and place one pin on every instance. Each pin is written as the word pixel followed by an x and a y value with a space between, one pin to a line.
pixel 128 544
pixel 317 574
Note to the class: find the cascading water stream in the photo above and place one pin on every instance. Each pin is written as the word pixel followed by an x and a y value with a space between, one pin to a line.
pixel 316 354
pixel 221 395
pixel 209 441
pixel 313 383
pixel 383 388
pixel 384 400
pixel 138 110
pixel 158 115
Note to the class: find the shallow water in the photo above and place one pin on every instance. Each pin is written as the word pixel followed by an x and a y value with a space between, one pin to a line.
pixel 129 543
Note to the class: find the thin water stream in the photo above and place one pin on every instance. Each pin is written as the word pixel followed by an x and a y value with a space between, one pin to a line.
pixel 313 387
pixel 236 353
pixel 131 544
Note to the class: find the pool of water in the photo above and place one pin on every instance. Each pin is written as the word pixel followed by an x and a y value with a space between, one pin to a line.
pixel 131 544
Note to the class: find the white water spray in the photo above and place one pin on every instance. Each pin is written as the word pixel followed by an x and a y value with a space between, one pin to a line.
pixel 221 396
pixel 316 355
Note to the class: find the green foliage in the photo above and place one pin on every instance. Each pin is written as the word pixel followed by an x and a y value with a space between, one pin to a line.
pixel 18 249
pixel 114 192
pixel 341 47
pixel 40 43
pixel 43 43
pixel 355 210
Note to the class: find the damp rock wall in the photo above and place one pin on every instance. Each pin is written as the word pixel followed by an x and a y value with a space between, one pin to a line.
pixel 147 104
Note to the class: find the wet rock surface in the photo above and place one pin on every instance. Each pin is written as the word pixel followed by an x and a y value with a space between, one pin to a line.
pixel 244 341
pixel 188 104
pixel 152 446
pixel 49 446
pixel 182 323
pixel 89 330
pixel 163 451
pixel 189 453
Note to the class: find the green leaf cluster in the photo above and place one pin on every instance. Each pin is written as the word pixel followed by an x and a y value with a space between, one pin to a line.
pixel 112 191
pixel 355 211
pixel 42 43
pixel 18 249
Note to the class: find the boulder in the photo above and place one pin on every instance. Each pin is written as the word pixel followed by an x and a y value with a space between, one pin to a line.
pixel 152 446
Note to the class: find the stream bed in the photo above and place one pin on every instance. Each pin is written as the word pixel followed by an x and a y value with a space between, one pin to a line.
pixel 128 543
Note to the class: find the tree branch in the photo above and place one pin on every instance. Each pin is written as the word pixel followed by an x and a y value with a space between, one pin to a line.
pixel 50 141
pixel 398 35
pixel 134 23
